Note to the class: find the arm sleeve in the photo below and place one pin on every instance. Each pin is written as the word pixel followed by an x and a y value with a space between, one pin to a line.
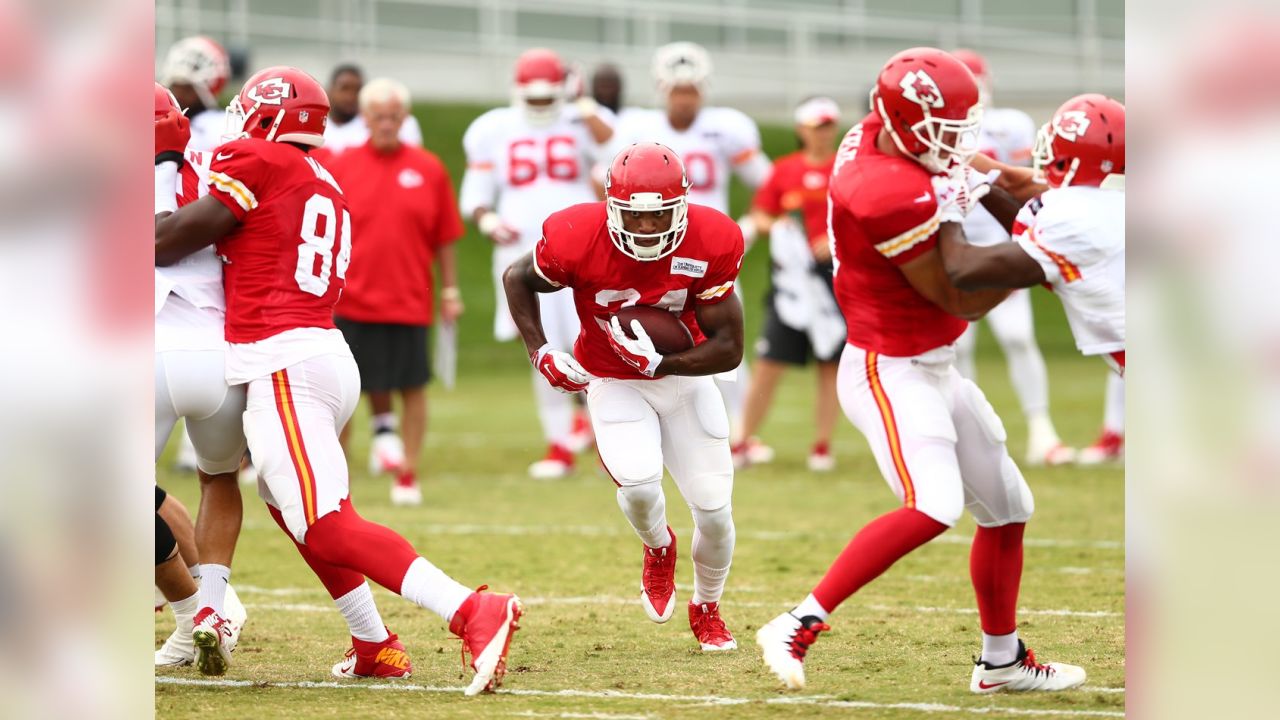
pixel 722 272
pixel 479 188
pixel 904 225
pixel 237 176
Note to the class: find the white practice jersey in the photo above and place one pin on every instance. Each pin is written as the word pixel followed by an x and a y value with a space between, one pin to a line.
pixel 207 128
pixel 355 133
pixel 1076 234
pixel 719 142
pixel 525 172
pixel 1007 135
pixel 189 302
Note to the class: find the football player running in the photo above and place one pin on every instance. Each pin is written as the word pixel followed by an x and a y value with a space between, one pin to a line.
pixel 648 245
pixel 1072 236
pixel 190 383
pixel 1007 135
pixel 714 143
pixel 935 438
pixel 281 225
pixel 524 162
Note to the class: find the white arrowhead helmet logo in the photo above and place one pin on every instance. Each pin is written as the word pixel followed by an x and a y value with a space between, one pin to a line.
pixel 918 87
pixel 1071 125
pixel 269 92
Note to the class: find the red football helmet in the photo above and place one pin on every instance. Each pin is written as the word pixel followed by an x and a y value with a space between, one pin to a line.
pixel 540 75
pixel 928 101
pixel 201 63
pixel 281 104
pixel 1083 144
pixel 978 66
pixel 165 101
pixel 647 177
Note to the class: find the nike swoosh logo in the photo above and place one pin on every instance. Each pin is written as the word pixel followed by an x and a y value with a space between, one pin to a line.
pixel 982 685
pixel 922 198
pixel 223 156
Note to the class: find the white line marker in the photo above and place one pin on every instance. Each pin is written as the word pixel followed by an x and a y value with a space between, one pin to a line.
pixel 814 700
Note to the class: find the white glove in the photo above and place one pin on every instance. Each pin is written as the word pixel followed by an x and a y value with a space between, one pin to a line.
pixel 562 370
pixel 496 230
pixel 979 183
pixel 639 353
pixel 959 192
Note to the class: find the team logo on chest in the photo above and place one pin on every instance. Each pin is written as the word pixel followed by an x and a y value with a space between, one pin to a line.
pixel 685 266
pixel 410 178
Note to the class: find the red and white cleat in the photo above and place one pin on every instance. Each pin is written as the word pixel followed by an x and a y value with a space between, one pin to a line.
pixel 784 641
pixel 1109 447
pixel 558 463
pixel 214 639
pixel 1025 674
pixel 405 489
pixel 387 660
pixel 709 628
pixel 486 624
pixel 386 453
pixel 1051 456
pixel 658 581
pixel 581 436
pixel 820 458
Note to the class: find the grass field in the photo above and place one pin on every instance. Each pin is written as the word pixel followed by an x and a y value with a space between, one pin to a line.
pixel 900 649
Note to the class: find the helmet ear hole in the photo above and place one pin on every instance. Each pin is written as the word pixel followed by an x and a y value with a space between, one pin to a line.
pixel 264 123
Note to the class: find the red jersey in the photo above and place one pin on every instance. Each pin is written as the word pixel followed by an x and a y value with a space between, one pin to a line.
pixel 402 209
pixel 884 213
pixel 285 262
pixel 795 186
pixel 576 252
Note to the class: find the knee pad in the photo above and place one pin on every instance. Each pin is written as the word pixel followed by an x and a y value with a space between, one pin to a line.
pixel 166 544
pixel 714 524
pixel 1019 504
pixel 642 497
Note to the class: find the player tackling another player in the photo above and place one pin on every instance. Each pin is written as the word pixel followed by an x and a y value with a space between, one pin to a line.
pixel 646 245
pixel 281 225
pixel 901 186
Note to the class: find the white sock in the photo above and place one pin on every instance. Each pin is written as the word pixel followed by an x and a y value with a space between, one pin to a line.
pixel 811 606
pixel 1028 375
pixel 426 585
pixel 712 552
pixel 184 613
pixel 646 509
pixel 999 650
pixel 195 572
pixel 361 613
pixel 387 421
pixel 1040 430
pixel 1113 420
pixel 213 586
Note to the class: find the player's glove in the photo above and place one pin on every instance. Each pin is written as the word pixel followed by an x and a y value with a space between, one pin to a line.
pixel 173 132
pixel 561 370
pixel 496 230
pixel 640 352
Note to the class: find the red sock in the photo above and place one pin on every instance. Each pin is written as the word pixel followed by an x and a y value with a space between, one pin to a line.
pixel 345 539
pixel 876 547
pixel 337 580
pixel 406 478
pixel 995 566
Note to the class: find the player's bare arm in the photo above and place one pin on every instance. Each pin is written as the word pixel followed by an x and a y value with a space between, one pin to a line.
pixel 928 275
pixel 195 226
pixel 1020 182
pixel 970 267
pixel 722 350
pixel 522 282
pixel 1002 205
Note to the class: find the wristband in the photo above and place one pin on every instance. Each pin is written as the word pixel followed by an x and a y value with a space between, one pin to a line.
pixel 489 222
pixel 166 187
pixel 450 293
pixel 587 106
pixel 172 156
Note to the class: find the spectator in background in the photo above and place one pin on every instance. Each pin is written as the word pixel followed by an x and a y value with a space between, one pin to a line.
pixel 606 86
pixel 347 127
pixel 801 319
pixel 404 218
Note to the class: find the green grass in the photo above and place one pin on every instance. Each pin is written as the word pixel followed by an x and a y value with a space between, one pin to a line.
pixel 906 639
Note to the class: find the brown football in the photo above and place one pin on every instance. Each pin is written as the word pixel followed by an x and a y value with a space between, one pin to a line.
pixel 669 335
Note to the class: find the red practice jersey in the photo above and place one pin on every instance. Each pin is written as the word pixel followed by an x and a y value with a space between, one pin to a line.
pixel 285 263
pixel 403 210
pixel 576 252
pixel 884 213
pixel 795 186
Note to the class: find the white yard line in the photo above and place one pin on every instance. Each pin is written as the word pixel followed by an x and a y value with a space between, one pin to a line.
pixel 817 701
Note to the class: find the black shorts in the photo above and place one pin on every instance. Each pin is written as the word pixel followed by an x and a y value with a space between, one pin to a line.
pixel 390 356
pixel 780 343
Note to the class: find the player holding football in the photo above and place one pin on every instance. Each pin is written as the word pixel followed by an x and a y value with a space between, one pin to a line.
pixel 281 225
pixel 1007 135
pixel 714 143
pixel 647 245
pixel 1072 236
pixel 935 438
pixel 533 158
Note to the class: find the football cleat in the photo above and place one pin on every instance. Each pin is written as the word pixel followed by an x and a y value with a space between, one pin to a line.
pixel 212 635
pixel 1109 447
pixel 386 453
pixel 1025 674
pixel 487 623
pixel 758 453
pixel 1041 455
pixel 406 490
pixel 386 660
pixel 581 436
pixel 821 459
pixel 178 650
pixel 784 641
pixel 658 581
pixel 235 614
pixel 557 464
pixel 709 628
